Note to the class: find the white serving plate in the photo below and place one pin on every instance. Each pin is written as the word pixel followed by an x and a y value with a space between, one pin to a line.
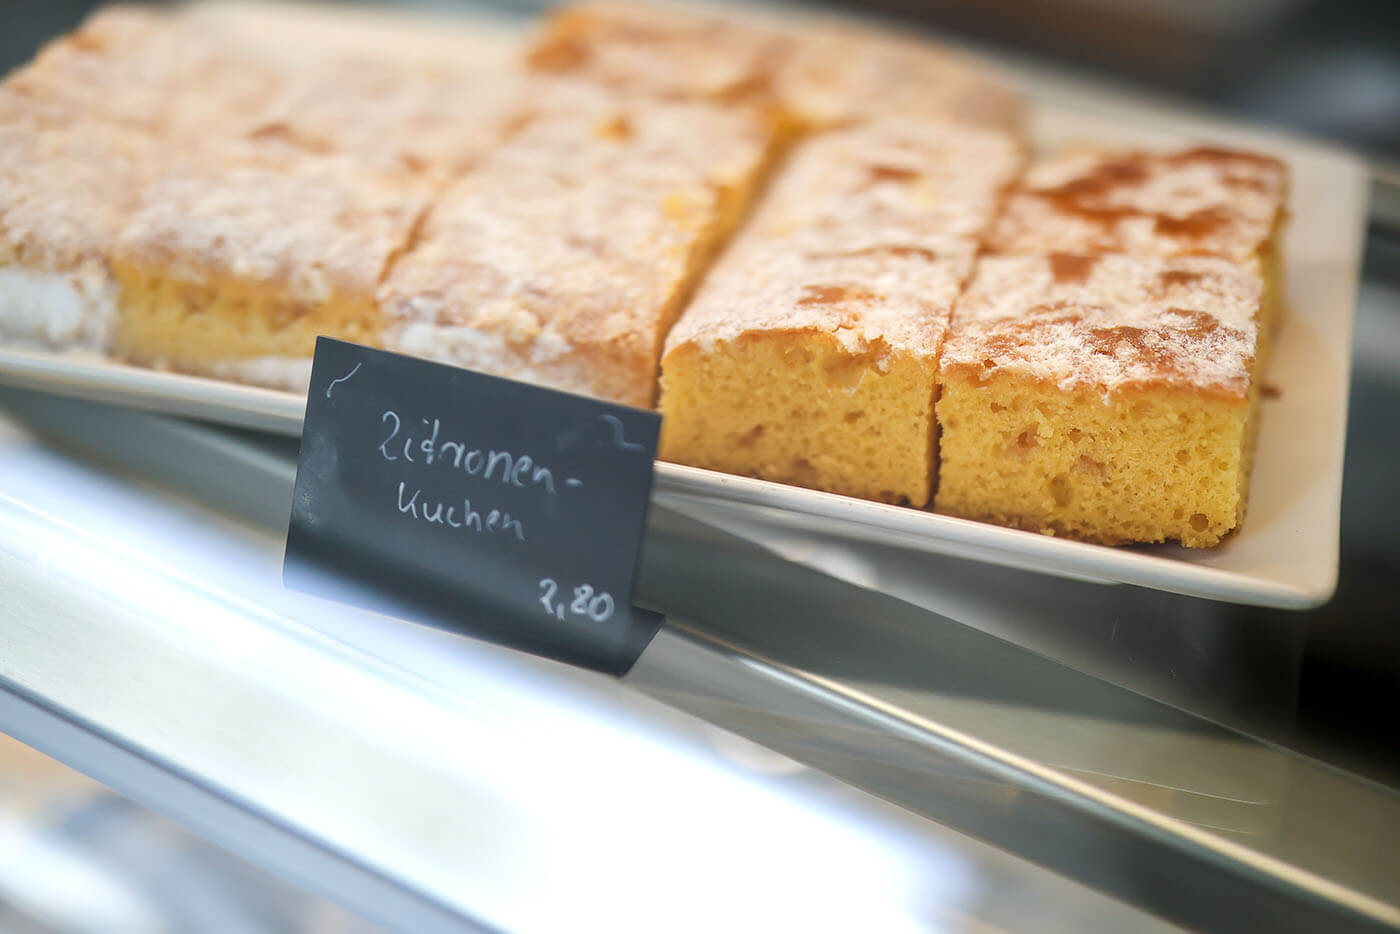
pixel 1286 554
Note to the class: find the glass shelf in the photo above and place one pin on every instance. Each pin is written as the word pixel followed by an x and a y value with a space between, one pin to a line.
pixel 424 780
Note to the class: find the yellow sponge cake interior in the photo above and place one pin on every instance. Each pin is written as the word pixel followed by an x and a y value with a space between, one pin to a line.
pixel 809 354
pixel 1104 397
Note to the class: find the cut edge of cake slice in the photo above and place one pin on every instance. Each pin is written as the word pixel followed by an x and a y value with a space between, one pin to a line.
pixel 810 376
pixel 809 354
pixel 235 262
pixel 1102 397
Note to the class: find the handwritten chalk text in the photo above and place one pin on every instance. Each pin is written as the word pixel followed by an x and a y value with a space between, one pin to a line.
pixel 411 503
pixel 505 467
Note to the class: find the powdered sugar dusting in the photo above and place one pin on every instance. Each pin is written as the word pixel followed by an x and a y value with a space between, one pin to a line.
pixel 577 234
pixel 227 70
pixel 148 72
pixel 902 303
pixel 57 310
pixel 891 182
pixel 66 191
pixel 868 233
pixel 841 72
pixel 823 71
pixel 313 226
pixel 1123 322
pixel 227 141
pixel 667 50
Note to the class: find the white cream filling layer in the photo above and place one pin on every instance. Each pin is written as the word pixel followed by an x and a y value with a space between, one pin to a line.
pixel 61 311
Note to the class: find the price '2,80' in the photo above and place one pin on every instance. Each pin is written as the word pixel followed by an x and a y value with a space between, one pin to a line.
pixel 595 605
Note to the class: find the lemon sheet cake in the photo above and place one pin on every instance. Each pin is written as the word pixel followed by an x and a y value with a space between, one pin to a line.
pixel 78 141
pixel 811 237
pixel 809 355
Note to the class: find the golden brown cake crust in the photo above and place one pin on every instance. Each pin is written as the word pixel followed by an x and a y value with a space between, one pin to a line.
pixel 1110 323
pixel 1198 201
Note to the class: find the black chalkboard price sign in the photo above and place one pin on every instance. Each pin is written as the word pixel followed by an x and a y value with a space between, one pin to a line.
pixel 491 507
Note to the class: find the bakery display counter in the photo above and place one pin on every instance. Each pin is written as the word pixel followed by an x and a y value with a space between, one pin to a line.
pixel 836 735
pixel 873 687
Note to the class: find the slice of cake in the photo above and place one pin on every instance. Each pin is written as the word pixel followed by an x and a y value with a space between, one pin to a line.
pixel 819 71
pixel 233 263
pixel 79 139
pixel 809 354
pixel 211 188
pixel 1201 201
pixel 65 192
pixel 1104 397
pixel 815 372
pixel 565 256
pixel 842 72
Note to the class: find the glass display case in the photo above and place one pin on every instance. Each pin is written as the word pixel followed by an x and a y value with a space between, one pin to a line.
pixel 828 732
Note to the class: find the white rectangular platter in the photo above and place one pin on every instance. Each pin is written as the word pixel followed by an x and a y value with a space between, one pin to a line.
pixel 1286 554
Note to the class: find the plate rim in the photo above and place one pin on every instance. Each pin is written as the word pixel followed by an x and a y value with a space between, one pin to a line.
pixel 281 412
